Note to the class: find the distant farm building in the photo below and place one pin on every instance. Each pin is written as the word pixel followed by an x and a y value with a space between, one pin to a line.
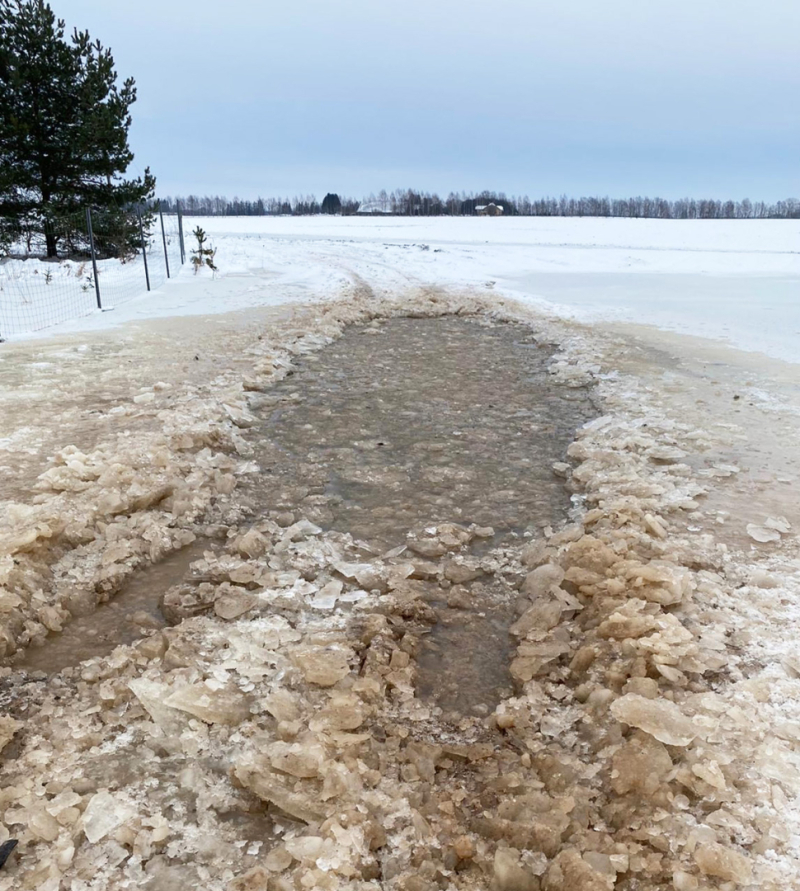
pixel 488 210
pixel 374 208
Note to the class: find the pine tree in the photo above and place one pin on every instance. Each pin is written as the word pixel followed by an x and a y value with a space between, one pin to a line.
pixel 64 125
pixel 202 255
pixel 331 203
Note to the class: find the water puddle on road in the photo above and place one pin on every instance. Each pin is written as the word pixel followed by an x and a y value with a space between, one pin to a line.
pixel 416 421
pixel 399 424
pixel 122 620
pixel 409 422
pixel 463 663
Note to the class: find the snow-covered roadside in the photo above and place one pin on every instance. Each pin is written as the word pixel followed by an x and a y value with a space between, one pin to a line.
pixel 655 743
pixel 730 280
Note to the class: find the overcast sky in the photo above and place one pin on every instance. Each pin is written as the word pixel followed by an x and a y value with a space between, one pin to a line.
pixel 619 97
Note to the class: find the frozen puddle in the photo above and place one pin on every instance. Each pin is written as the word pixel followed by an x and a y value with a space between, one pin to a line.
pixel 405 423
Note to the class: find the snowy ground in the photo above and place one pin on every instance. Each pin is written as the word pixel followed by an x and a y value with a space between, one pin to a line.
pixel 38 294
pixel 735 281
pixel 653 742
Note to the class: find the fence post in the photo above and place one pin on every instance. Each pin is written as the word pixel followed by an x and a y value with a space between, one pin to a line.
pixel 180 232
pixel 144 246
pixel 94 256
pixel 164 239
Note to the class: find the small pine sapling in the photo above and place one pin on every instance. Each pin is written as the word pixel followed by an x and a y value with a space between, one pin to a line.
pixel 202 255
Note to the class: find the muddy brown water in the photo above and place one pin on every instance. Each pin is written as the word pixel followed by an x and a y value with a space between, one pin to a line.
pixel 462 664
pixel 397 425
pixel 416 421
pixel 409 422
pixel 122 620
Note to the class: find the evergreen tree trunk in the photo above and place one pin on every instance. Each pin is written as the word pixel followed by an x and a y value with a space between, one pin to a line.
pixel 50 238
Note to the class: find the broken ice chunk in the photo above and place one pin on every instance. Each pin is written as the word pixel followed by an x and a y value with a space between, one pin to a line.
pixel 711 773
pixel 152 694
pixel 297 759
pixel 724 863
pixel 570 872
pixel 762 533
pixel 341 713
pixel 539 582
pixel 223 706
pixel 640 765
pixel 234 604
pixel 300 530
pixel 323 667
pixel 791 664
pixel 658 717
pixel 104 813
pixel 780 524
pixel 282 706
pixel 239 416
pixel 367 575
pixel 761 579
pixel 326 597
pixel 683 881
pixel 257 776
pixel 42 826
pixel 655 525
pixel 534 659
pixel 306 847
pixel 8 727
pixel 353 596
pixel 252 544
pixel 278 859
pixel 660 581
pixel 510 874
pixel 778 762
pixel 665 454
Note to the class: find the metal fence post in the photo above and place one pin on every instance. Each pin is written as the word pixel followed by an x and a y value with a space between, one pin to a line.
pixel 180 232
pixel 94 256
pixel 144 246
pixel 164 239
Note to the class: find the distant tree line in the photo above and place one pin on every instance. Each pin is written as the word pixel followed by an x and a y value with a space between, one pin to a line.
pixel 219 206
pixel 408 202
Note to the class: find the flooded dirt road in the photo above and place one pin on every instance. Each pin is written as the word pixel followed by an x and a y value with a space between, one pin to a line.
pixel 408 422
pixel 444 633
pixel 399 424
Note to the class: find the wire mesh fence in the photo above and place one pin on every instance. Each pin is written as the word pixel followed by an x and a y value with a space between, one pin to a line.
pixel 103 260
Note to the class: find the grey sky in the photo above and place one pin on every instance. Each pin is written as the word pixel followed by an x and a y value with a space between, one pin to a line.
pixel 616 97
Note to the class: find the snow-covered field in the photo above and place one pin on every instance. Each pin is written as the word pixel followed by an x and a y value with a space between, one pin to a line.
pixel 735 281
